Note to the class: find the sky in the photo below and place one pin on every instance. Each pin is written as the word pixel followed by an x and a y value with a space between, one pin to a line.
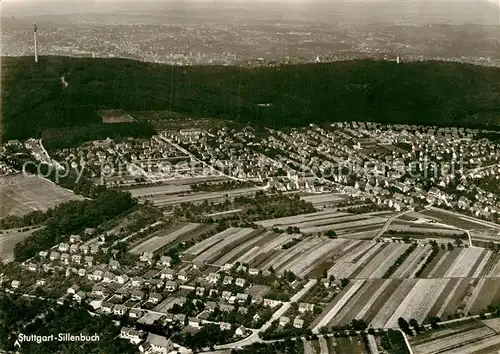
pixel 446 11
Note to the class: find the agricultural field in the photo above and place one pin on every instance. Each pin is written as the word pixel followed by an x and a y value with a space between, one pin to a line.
pixel 380 302
pixel 21 194
pixel 344 224
pixel 464 222
pixel 334 346
pixel 321 200
pixel 165 237
pixel 468 337
pixel 423 228
pixel 168 199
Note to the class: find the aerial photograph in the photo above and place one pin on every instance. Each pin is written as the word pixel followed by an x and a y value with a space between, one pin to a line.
pixel 250 176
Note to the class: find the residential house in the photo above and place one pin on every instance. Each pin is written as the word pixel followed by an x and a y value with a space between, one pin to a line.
pixel 89 260
pixel 96 275
pixel 194 322
pixel 226 308
pixel 122 293
pixel 270 303
pixel 241 298
pixel 75 239
pixel 156 344
pixel 167 273
pixel 213 278
pixel 227 280
pixel 180 318
pixel 165 261
pixel 80 296
pixel 15 284
pixel 226 295
pixel 242 310
pixel 210 306
pixel 147 257
pixel 74 248
pixel 137 295
pixel 134 336
pixel 137 282
pixel 32 267
pixel 54 256
pixel 114 264
pixel 240 331
pixel 108 277
pixel 284 321
pixel 227 267
pixel 63 247
pixel 200 291
pixel 94 249
pixel 119 310
pixel 98 290
pixel 122 279
pixel 65 258
pixel 171 286
pixel 107 307
pixel 257 299
pixel 73 289
pixel 224 326
pixel 240 282
pixel 298 322
pixel 135 313
pixel 306 307
pixel 155 283
pixel 182 276
pixel 155 298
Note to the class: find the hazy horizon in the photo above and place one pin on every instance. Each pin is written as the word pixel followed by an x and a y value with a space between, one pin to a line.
pixel 354 11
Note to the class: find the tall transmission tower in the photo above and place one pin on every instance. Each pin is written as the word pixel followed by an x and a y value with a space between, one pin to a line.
pixel 35 39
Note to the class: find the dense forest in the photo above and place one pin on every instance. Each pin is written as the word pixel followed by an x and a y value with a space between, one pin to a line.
pixel 33 98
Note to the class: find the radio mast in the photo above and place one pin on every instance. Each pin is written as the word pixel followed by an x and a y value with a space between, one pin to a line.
pixel 35 39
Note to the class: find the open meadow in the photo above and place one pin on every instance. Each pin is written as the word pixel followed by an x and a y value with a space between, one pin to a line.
pixel 21 194
pixel 8 240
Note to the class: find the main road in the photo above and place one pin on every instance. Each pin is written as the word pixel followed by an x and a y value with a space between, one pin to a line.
pixel 254 337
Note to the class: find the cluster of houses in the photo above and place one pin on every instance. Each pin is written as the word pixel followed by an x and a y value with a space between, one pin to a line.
pixel 229 151
pixel 395 166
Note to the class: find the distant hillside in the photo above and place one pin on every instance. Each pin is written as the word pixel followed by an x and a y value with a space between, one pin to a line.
pixel 33 97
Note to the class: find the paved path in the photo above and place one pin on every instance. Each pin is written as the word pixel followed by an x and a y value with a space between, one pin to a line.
pixel 389 222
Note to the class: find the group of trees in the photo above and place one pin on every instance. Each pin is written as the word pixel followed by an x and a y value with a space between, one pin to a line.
pixel 59 138
pixel 209 335
pixel 32 316
pixel 258 207
pixel 72 218
pixel 429 259
pixel 400 260
pixel 220 186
